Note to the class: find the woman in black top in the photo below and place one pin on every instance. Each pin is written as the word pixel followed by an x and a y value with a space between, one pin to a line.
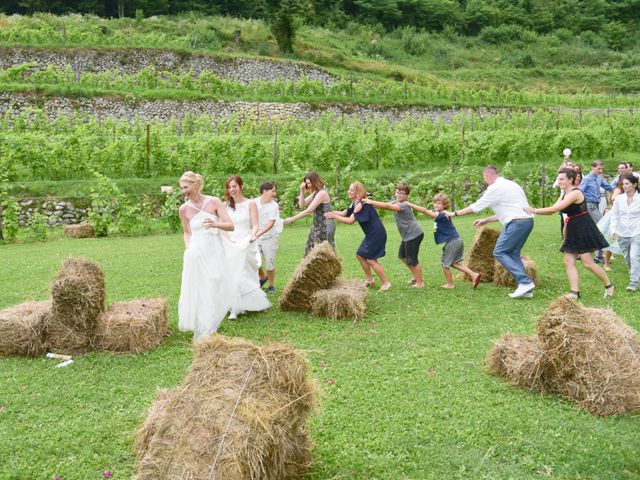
pixel 581 235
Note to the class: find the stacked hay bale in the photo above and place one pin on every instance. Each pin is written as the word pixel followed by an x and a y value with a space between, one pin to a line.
pixel 77 299
pixel 315 287
pixel 22 328
pixel 343 299
pixel 133 327
pixel 80 230
pixel 587 355
pixel 150 425
pixel 502 277
pixel 75 322
pixel 480 254
pixel 318 270
pixel 241 412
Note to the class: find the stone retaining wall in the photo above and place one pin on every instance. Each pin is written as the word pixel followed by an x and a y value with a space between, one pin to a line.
pixel 129 61
pixel 58 212
pixel 164 110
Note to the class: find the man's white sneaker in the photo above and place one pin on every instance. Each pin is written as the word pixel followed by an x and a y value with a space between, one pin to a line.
pixel 522 289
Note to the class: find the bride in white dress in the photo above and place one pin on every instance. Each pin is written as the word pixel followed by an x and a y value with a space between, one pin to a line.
pixel 210 275
pixel 244 214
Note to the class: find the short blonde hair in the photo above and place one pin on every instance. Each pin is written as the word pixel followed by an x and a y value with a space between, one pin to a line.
pixel 358 187
pixel 442 198
pixel 194 179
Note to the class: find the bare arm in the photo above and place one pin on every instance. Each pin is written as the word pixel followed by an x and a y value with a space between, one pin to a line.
pixel 484 221
pixel 253 214
pixel 341 216
pixel 186 228
pixel 267 227
pixel 571 197
pixel 426 211
pixel 386 205
pixel 226 223
pixel 302 200
pixel 320 197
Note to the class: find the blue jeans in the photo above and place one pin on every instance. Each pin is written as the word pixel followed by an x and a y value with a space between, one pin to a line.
pixel 509 245
pixel 630 247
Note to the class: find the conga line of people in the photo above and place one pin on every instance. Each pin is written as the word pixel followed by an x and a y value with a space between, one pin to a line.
pixel 231 245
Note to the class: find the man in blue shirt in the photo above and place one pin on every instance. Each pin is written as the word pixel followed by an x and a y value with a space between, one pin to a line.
pixel 590 186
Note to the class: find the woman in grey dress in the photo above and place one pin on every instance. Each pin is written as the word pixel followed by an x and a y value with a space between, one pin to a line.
pixel 315 200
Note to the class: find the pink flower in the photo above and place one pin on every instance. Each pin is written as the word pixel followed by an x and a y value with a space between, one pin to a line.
pixel 57 478
pixel 106 474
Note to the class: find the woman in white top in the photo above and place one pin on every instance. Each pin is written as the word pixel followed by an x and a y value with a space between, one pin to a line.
pixel 244 214
pixel 207 285
pixel 625 226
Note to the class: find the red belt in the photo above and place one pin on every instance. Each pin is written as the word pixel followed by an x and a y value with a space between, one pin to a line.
pixel 566 220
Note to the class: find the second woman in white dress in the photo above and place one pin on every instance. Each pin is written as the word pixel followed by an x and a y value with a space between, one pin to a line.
pixel 244 214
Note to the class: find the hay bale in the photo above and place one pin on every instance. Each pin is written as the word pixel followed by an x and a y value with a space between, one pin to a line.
pixel 22 328
pixel 240 413
pixel 316 271
pixel 480 254
pixel 150 425
pixel 591 357
pixel 77 300
pixel 502 277
pixel 343 299
pixel 134 326
pixel 518 360
pixel 80 230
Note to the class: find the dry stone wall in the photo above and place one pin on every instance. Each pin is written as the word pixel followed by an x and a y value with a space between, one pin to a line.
pixel 58 212
pixel 165 110
pixel 131 61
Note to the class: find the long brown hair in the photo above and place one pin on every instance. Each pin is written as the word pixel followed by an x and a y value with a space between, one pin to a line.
pixel 233 178
pixel 316 181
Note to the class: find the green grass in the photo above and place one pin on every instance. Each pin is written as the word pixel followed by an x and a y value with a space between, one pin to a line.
pixel 410 397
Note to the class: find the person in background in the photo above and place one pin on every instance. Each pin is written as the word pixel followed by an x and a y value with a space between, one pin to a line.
pixel 590 186
pixel 269 230
pixel 625 227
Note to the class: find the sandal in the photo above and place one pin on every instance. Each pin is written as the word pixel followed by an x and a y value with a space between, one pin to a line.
pixel 411 282
pixel 573 295
pixel 608 290
pixel 385 287
pixel 369 283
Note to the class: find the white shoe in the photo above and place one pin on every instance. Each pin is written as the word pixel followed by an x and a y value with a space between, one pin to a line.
pixel 233 316
pixel 522 289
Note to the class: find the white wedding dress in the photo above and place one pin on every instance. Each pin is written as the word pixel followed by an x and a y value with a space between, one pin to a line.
pixel 210 276
pixel 249 296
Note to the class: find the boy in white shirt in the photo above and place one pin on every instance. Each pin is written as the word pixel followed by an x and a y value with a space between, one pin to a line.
pixel 269 230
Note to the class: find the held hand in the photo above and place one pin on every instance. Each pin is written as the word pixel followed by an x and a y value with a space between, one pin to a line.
pixel 529 209
pixel 480 223
pixel 208 223
pixel 365 200
pixel 287 221
pixel 329 215
pixel 449 214
pixel 252 238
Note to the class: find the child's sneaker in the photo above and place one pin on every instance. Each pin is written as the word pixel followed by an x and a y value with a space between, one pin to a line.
pixel 263 281
pixel 271 290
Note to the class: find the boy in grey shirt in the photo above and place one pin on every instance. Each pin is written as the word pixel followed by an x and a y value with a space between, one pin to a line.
pixel 410 232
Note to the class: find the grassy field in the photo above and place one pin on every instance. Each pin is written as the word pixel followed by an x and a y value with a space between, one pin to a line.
pixel 404 393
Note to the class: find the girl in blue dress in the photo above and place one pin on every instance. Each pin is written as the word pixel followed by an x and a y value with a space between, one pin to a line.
pixel 375 236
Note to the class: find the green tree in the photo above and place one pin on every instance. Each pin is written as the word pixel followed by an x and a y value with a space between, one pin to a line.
pixel 283 17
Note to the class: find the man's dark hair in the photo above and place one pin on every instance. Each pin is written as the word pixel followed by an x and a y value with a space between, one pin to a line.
pixel 268 185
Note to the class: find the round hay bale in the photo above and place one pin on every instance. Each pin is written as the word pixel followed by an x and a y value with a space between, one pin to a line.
pixel 343 299
pixel 133 327
pixel 150 425
pixel 502 277
pixel 80 230
pixel 316 271
pixel 22 328
pixel 518 360
pixel 591 357
pixel 479 257
pixel 240 413
pixel 77 299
